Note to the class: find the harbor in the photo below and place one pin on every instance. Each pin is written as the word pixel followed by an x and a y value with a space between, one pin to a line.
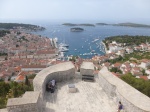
pixel 94 47
pixel 81 42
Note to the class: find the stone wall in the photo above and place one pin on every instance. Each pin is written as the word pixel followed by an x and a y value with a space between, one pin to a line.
pixel 118 90
pixel 30 102
pixel 87 68
pixel 59 72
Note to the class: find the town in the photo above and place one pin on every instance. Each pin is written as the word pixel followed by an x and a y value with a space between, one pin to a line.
pixel 23 55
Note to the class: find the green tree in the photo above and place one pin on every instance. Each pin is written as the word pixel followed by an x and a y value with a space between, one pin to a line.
pixel 26 81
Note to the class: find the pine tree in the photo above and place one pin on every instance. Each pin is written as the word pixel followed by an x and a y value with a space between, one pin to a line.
pixel 26 81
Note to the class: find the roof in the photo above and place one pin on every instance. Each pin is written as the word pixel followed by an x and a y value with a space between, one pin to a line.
pixel 117 64
pixel 116 74
pixel 46 52
pixel 18 68
pixel 145 60
pixel 34 66
pixel 20 78
pixel 144 77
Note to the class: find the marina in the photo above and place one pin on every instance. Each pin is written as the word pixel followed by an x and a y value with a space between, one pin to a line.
pixel 81 41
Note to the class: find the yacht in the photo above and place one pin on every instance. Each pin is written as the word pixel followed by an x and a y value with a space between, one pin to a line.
pixel 63 45
pixel 63 49
pixel 95 40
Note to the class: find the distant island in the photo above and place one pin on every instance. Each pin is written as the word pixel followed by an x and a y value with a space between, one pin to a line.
pixel 70 24
pixel 19 26
pixel 132 25
pixel 126 24
pixel 77 29
pixel 102 24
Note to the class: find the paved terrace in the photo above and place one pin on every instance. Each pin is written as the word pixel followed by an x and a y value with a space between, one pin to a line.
pixel 89 98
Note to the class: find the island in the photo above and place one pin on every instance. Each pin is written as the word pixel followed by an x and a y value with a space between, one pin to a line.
pixel 128 24
pixel 19 26
pixel 102 24
pixel 76 29
pixel 71 24
pixel 132 25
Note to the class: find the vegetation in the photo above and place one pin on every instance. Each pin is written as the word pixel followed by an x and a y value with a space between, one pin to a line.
pixel 24 26
pixel 133 57
pixel 132 25
pixel 102 24
pixel 3 54
pixel 119 59
pixel 140 84
pixel 12 90
pixel 4 32
pixel 137 56
pixel 74 58
pixel 77 29
pixel 115 69
pixel 31 76
pixel 129 40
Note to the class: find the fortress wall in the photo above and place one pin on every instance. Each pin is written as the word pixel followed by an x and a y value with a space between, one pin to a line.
pixel 87 68
pixel 30 102
pixel 118 90
pixel 59 72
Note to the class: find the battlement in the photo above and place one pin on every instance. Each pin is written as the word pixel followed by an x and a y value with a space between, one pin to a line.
pixel 104 93
pixel 118 90
pixel 29 102
pixel 60 72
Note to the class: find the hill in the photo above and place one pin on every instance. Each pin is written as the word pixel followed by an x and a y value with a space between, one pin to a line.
pixel 21 26
pixel 132 25
pixel 77 29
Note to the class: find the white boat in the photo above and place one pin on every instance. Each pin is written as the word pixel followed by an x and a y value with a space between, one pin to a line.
pixel 63 45
pixel 61 54
pixel 63 49
pixel 56 39
pixel 95 40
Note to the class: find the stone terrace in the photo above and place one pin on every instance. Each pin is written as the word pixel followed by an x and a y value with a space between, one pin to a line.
pixel 89 98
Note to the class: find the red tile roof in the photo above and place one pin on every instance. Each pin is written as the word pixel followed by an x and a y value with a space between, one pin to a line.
pixel 144 77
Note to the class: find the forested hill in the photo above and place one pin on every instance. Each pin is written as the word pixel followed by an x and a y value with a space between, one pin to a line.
pixel 129 40
pixel 71 24
pixel 21 26
pixel 4 32
pixel 132 25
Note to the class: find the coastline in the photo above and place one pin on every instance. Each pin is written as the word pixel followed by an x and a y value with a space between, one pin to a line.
pixel 106 51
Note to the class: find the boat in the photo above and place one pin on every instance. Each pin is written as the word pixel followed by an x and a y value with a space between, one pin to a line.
pixel 95 40
pixel 61 54
pixel 63 49
pixel 63 45
pixel 82 47
pixel 92 51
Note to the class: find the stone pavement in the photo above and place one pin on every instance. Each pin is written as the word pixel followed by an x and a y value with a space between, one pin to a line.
pixel 89 98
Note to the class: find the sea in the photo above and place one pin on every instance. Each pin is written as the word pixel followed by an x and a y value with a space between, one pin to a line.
pixel 87 43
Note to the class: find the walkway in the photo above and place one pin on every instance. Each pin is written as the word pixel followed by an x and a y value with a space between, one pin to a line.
pixel 89 98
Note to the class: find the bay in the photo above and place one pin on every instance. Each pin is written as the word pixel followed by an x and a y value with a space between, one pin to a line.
pixel 82 43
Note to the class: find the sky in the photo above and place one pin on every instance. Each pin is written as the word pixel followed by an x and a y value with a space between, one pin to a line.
pixel 76 10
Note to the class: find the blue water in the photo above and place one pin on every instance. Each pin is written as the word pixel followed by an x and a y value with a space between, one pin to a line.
pixel 78 39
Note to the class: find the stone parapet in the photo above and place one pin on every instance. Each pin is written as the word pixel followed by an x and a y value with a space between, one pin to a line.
pixel 87 68
pixel 4 110
pixel 30 102
pixel 118 90
pixel 60 72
